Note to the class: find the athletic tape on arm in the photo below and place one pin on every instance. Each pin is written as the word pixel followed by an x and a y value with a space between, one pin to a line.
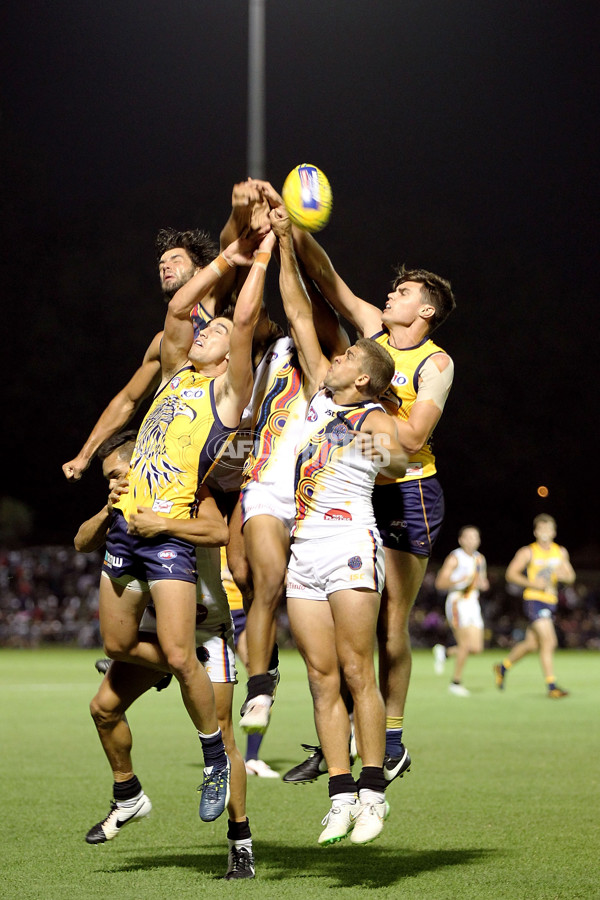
pixel 433 384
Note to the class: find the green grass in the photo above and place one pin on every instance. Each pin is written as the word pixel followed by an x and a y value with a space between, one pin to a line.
pixel 501 802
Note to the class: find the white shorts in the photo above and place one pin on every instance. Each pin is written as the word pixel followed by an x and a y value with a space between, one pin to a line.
pixel 461 613
pixel 262 500
pixel 319 567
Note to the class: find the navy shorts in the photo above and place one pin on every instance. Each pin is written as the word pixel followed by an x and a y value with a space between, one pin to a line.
pixel 409 514
pixel 239 623
pixel 537 609
pixel 162 558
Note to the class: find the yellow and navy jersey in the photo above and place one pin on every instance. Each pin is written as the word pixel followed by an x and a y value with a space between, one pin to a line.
pixel 333 479
pixel 234 595
pixel 177 444
pixel 200 317
pixel 408 363
pixel 279 407
pixel 543 563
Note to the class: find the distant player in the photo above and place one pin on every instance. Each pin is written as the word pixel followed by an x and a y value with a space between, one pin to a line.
pixel 463 575
pixel 538 568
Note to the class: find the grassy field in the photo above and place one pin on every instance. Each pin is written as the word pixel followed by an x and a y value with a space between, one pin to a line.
pixel 502 799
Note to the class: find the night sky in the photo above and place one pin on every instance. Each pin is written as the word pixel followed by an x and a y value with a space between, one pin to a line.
pixel 458 136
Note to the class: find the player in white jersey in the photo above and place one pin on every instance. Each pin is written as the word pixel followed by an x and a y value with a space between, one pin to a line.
pixel 335 579
pixel 280 398
pixel 463 575
pixel 409 510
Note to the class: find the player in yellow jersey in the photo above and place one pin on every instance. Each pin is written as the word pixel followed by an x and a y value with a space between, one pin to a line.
pixel 409 511
pixel 538 569
pixel 207 381
pixel 181 254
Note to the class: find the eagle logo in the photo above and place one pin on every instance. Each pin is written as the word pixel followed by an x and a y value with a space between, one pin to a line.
pixel 151 462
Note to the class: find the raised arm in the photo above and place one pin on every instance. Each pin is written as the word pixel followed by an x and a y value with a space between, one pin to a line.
pixel 365 317
pixel 120 410
pixel 179 330
pixel 296 303
pixel 233 388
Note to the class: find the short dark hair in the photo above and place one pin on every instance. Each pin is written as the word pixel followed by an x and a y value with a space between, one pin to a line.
pixel 438 291
pixel 118 441
pixel 197 243
pixel 379 365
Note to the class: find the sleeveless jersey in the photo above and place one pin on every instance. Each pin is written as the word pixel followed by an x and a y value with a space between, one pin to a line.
pixel 465 573
pixel 405 385
pixel 279 409
pixel 333 479
pixel 177 444
pixel 543 562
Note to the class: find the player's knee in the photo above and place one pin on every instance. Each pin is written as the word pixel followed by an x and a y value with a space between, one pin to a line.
pixel 181 663
pixel 358 674
pixel 116 648
pixel 104 718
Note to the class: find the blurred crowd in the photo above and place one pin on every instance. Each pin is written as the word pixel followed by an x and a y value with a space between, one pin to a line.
pixel 49 595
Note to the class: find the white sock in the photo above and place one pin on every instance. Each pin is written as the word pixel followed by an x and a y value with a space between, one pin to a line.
pixel 367 796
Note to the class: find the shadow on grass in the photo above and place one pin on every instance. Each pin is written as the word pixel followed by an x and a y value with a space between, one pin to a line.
pixel 368 867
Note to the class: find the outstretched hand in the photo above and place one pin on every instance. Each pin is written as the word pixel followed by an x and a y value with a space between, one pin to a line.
pixel 268 192
pixel 280 222
pixel 241 251
pixel 250 209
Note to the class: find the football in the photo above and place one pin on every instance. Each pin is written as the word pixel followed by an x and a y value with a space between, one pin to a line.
pixel 307 197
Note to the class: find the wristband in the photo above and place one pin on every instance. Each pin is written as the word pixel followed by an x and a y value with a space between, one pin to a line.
pixel 220 265
pixel 262 259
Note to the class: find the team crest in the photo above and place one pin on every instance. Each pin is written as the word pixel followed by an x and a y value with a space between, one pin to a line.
pixel 355 563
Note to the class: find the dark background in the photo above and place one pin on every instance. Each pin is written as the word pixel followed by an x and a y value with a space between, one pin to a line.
pixel 460 136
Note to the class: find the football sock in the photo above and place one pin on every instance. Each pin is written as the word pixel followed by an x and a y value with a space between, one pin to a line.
pixel 393 735
pixel 253 745
pixel 127 792
pixel 213 749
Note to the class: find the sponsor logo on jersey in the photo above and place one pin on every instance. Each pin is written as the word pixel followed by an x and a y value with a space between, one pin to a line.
pixel 162 506
pixel 175 383
pixel 167 554
pixel 115 561
pixel 311 415
pixel 272 355
pixel 192 393
pixel 337 514
pixel 414 468
pixel 399 379
pixel 354 563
